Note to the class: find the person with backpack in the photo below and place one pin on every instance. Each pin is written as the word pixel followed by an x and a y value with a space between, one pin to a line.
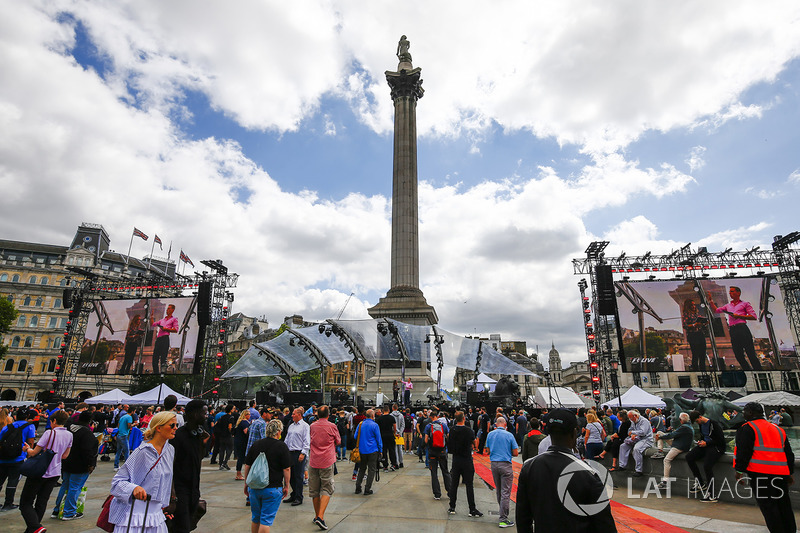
pixel 343 426
pixel 13 437
pixel 266 494
pixel 436 438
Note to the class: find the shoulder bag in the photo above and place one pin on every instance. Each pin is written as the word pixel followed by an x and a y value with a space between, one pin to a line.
pixel 37 465
pixel 355 455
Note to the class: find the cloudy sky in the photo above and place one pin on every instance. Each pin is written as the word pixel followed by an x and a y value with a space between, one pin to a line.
pixel 260 133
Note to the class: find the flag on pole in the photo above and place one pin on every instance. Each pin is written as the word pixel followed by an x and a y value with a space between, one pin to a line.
pixel 185 258
pixel 139 233
pixel 159 243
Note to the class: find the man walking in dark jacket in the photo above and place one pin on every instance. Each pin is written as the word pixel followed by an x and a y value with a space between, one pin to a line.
pixel 190 448
pixel 541 508
pixel 710 448
pixel 77 467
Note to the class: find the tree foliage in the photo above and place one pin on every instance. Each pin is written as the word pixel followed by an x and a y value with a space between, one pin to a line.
pixel 8 315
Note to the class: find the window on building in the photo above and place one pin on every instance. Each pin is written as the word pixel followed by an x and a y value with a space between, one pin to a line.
pixel 9 365
pixel 34 321
pixel 57 342
pixel 15 278
pixel 3 277
pixel 57 303
pixel 51 367
pixel 23 364
pixel 63 282
pixel 63 323
pixel 15 342
pixel 40 260
pixel 684 382
pixel 44 281
pixel 42 368
pixel 655 379
pixel 637 379
pixel 28 342
pixel 764 381
pixel 794 384
pixel 39 301
pixel 21 321
pixel 10 298
pixel 27 301
pixel 52 323
pixel 32 279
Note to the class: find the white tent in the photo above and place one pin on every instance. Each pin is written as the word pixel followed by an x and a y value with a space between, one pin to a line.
pixel 156 396
pixel 555 397
pixel 636 397
pixel 771 399
pixel 111 397
pixel 482 380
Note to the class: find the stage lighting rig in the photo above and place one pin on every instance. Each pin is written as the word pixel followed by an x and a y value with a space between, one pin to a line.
pixel 216 265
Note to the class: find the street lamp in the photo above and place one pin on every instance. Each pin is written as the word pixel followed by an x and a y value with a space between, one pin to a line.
pixel 28 372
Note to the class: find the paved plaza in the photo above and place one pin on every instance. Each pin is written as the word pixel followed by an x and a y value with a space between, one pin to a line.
pixel 403 501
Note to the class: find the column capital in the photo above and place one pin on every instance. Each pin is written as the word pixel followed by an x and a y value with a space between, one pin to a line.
pixel 405 83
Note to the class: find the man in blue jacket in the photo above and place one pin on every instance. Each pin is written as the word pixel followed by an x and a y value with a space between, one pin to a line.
pixel 370 445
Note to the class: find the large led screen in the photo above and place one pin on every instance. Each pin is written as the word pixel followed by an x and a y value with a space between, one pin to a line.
pixel 142 336
pixel 698 325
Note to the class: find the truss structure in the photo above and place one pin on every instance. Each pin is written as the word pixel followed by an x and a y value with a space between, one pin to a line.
pixel 688 263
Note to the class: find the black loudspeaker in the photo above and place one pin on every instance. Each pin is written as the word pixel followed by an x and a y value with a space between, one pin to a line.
pixel 262 397
pixel 204 303
pixel 67 299
pixel 606 302
pixel 302 398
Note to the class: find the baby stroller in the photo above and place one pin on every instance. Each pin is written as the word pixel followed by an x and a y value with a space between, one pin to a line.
pixel 108 444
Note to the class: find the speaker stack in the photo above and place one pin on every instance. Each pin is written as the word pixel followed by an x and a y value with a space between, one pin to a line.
pixel 606 302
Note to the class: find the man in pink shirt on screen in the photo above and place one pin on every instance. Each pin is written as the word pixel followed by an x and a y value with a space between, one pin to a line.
pixel 167 325
pixel 739 312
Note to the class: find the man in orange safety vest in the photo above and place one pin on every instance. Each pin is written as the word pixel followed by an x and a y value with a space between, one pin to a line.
pixel 763 451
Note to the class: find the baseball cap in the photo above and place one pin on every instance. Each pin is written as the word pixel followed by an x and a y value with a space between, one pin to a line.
pixel 563 419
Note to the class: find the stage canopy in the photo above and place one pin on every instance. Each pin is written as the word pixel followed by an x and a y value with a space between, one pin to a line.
pixel 636 397
pixel 155 396
pixel 484 382
pixel 112 397
pixel 555 397
pixel 339 341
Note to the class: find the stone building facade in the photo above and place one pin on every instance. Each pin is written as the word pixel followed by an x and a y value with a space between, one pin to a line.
pixel 33 276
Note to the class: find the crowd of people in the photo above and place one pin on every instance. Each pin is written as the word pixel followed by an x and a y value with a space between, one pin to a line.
pixel 283 453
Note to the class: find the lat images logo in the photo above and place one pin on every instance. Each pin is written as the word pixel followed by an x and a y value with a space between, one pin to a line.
pixel 588 508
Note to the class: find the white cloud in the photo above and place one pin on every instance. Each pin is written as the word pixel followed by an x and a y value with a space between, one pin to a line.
pixel 763 194
pixel 75 146
pixel 794 177
pixel 696 160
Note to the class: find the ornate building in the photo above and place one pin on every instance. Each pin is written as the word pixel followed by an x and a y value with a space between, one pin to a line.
pixel 554 367
pixel 33 277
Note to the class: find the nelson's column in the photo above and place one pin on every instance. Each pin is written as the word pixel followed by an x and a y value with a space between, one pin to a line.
pixel 404 301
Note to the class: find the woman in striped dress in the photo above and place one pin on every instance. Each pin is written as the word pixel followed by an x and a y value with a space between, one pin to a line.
pixel 147 472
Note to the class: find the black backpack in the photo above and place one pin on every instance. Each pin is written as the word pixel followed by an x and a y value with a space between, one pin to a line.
pixel 11 443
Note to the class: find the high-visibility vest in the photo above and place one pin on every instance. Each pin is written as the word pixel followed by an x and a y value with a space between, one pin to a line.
pixel 768 455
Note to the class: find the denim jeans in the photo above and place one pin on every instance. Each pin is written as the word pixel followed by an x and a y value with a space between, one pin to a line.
pixel 122 449
pixel 71 485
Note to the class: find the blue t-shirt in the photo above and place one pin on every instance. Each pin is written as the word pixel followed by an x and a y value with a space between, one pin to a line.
pixel 501 443
pixel 27 433
pixel 125 423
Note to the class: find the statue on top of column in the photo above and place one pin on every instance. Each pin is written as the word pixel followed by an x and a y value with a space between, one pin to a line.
pixel 402 50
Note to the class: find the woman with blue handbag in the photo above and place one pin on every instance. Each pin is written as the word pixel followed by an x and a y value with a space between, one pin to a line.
pixel 43 468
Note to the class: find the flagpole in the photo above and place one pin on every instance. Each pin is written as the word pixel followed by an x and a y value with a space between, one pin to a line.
pixel 128 257
pixel 153 247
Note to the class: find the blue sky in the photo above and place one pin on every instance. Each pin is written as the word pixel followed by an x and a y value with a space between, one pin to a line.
pixel 261 133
